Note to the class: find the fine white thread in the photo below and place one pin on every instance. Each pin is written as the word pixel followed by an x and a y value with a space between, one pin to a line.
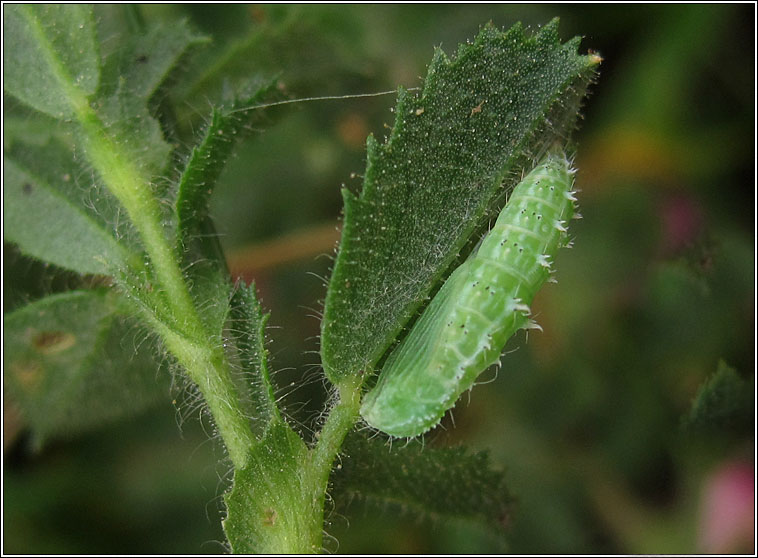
pixel 327 98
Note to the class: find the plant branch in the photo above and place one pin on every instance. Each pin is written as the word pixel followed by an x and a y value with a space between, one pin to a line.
pixel 184 336
pixel 125 181
pixel 342 417
pixel 209 369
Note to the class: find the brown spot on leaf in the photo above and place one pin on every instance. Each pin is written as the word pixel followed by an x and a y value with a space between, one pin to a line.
pixel 28 374
pixel 477 108
pixel 49 342
pixel 269 517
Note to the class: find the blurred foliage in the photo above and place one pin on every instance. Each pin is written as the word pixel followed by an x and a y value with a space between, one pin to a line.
pixel 585 417
pixel 723 403
pixel 463 490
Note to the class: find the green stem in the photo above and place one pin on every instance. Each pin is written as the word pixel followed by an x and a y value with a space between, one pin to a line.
pixel 209 369
pixel 185 336
pixel 132 190
pixel 277 503
pixel 340 421
pixel 124 180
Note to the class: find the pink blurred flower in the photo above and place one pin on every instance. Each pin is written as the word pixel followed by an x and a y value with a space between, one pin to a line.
pixel 727 515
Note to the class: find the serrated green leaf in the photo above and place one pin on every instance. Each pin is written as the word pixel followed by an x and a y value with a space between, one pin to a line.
pixel 248 326
pixel 724 403
pixel 55 211
pixel 72 363
pixel 481 119
pixel 439 484
pixel 50 57
pixel 270 509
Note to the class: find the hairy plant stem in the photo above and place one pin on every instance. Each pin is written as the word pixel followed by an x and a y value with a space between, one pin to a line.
pixel 171 311
pixel 342 417
pixel 184 335
pixel 208 368
pixel 179 324
pixel 276 505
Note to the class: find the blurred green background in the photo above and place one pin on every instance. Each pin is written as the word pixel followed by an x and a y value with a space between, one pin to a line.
pixel 585 417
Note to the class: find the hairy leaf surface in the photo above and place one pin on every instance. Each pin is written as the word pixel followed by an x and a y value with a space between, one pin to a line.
pixel 228 125
pixel 196 233
pixel 132 75
pixel 73 362
pixel 50 57
pixel 59 211
pixel 480 120
pixel 55 211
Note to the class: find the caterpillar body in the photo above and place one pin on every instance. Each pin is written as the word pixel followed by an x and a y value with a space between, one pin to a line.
pixel 483 302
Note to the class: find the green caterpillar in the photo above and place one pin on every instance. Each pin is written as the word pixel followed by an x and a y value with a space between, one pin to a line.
pixel 484 301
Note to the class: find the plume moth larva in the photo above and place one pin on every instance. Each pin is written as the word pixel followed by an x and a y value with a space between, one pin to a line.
pixel 483 302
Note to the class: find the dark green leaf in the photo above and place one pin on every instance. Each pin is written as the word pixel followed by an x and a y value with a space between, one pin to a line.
pixel 723 403
pixel 480 120
pixel 50 58
pixel 269 509
pixel 55 211
pixel 440 484
pixel 73 362
pixel 27 279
